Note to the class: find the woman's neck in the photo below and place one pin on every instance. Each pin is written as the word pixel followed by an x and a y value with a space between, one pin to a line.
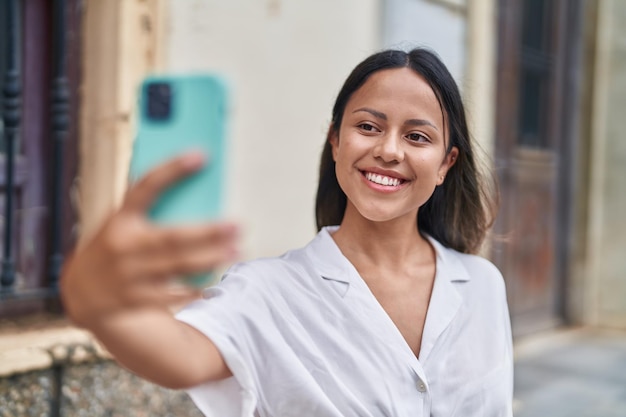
pixel 389 245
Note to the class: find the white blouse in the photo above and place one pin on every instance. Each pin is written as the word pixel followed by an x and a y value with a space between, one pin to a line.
pixel 304 336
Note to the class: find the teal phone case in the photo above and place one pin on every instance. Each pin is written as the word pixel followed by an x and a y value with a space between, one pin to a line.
pixel 196 121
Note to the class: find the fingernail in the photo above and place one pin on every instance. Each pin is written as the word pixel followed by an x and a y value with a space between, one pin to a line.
pixel 193 160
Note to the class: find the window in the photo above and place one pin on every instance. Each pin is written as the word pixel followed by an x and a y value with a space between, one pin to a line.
pixel 35 227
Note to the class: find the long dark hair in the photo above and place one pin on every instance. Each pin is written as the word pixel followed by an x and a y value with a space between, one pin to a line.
pixel 463 208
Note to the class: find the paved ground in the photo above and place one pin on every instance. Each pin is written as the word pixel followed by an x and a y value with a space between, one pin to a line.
pixel 573 373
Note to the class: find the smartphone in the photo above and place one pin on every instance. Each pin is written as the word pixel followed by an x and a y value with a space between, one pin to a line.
pixel 178 114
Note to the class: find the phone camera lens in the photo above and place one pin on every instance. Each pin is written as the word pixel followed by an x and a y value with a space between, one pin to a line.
pixel 159 100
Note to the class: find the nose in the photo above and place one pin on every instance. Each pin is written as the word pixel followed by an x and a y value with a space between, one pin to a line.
pixel 389 148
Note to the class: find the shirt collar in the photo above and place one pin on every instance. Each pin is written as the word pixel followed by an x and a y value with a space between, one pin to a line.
pixel 445 300
pixel 332 264
pixel 328 258
pixel 449 265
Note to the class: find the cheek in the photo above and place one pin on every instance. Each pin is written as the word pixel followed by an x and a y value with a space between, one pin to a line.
pixel 428 167
pixel 427 170
pixel 345 151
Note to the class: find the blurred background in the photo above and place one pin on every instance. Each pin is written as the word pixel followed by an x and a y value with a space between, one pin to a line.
pixel 544 82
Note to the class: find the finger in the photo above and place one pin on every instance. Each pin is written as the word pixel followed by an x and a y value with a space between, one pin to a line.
pixel 174 293
pixel 187 263
pixel 181 238
pixel 179 298
pixel 161 294
pixel 145 191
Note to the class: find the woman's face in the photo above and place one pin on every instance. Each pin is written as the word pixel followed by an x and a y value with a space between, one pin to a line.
pixel 390 152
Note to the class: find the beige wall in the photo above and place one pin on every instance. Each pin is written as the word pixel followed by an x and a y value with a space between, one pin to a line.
pixel 285 61
pixel 606 272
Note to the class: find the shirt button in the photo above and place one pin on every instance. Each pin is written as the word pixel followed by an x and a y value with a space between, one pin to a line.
pixel 421 387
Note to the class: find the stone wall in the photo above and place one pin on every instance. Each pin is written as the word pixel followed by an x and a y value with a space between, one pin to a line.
pixel 93 389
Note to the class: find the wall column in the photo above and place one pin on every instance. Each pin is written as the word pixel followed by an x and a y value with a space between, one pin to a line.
pixel 120 39
pixel 606 284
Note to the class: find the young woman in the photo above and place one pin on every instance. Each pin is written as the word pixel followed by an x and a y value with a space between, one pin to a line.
pixel 385 313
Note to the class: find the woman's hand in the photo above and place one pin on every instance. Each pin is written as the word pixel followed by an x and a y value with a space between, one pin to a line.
pixel 130 263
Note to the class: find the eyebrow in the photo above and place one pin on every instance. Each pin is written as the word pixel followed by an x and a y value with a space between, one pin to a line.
pixel 412 122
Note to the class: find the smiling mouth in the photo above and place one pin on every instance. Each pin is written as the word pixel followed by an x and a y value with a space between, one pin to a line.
pixel 383 179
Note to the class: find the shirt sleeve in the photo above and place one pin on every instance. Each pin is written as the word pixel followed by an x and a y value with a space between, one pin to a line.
pixel 230 314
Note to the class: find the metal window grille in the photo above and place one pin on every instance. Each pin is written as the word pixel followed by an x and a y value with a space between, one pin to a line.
pixel 12 122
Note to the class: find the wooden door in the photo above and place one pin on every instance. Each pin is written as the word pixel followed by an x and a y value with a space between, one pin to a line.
pixel 531 157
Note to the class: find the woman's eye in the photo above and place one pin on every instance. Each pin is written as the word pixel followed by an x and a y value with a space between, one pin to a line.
pixel 367 127
pixel 417 137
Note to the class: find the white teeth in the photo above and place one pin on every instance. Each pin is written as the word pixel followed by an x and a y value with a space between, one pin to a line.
pixel 382 180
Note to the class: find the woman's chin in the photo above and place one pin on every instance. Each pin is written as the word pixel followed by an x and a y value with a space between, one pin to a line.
pixel 378 216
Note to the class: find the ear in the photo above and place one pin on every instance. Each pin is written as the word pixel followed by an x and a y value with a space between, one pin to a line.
pixel 448 162
pixel 333 138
